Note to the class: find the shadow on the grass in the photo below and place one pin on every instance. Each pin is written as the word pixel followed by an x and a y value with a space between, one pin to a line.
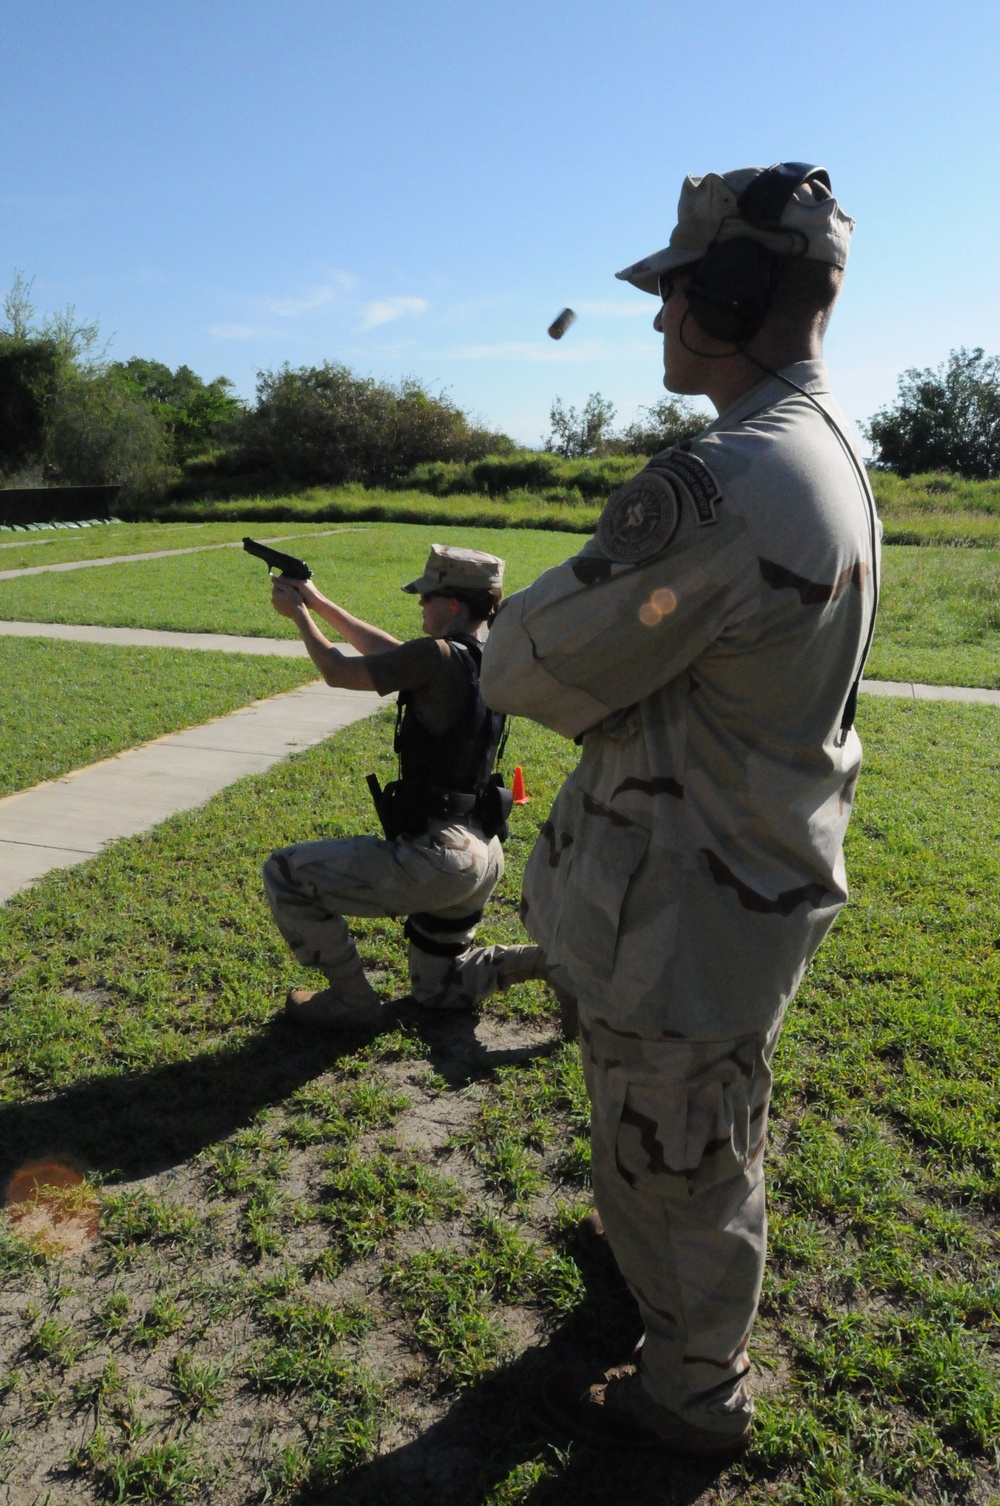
pixel 140 1123
pixel 135 1125
pixel 500 1423
pixel 496 1426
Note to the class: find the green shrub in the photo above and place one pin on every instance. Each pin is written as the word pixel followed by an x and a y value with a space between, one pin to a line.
pixel 325 424
pixel 197 415
pixel 98 432
pixel 524 473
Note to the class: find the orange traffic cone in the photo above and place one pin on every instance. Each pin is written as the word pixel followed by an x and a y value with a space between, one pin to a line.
pixel 517 789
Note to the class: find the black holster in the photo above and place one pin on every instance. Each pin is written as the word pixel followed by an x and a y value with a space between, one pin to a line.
pixel 406 810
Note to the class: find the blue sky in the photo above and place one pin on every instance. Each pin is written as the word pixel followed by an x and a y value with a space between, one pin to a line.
pixel 419 189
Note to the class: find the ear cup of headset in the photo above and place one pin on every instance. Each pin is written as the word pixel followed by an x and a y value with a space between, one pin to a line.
pixel 730 293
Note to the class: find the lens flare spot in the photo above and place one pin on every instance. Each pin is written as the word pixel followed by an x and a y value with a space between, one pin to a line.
pixel 51 1207
pixel 660 605
pixel 39 1176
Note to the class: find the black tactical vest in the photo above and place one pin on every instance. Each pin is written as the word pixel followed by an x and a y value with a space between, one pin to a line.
pixel 448 775
pixel 461 757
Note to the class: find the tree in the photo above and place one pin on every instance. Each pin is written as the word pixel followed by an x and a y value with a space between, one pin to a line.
pixel 196 414
pixel 76 342
pixel 99 433
pixel 943 420
pixel 657 427
pixel 575 435
pixel 35 359
pixel 662 424
pixel 64 416
pixel 325 424
pixel 30 372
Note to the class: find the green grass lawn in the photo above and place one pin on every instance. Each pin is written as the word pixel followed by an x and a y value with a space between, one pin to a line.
pixel 940 618
pixel 954 531
pixel 334 1269
pixel 70 704
pixel 933 509
pixel 21 551
pixel 938 509
pixel 521 508
pixel 226 591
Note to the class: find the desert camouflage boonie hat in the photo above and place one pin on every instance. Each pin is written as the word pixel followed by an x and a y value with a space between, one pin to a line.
pixel 465 569
pixel 708 210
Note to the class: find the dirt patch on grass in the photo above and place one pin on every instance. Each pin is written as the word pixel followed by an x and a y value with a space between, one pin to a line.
pixel 184 1332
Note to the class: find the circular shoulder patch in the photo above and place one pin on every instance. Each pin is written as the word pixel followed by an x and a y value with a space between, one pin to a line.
pixel 640 518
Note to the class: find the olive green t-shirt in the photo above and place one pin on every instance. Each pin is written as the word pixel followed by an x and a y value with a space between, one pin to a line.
pixel 428 668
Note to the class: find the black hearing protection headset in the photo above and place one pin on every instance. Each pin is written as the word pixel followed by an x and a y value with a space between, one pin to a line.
pixel 731 291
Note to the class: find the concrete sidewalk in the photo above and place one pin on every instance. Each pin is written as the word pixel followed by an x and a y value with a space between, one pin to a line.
pixel 66 821
pixel 913 692
pixel 231 643
pixel 293 648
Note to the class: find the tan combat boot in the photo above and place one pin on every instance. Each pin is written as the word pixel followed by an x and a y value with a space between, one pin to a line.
pixel 617 1412
pixel 350 1004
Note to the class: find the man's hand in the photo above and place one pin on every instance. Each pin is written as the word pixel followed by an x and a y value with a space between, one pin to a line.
pixel 287 597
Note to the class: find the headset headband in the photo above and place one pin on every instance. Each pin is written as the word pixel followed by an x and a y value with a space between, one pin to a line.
pixel 763 200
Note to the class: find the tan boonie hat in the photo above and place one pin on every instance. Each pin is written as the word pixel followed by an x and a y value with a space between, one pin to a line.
pixel 708 209
pixel 466 569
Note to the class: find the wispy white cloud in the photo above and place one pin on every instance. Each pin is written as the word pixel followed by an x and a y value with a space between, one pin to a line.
pixel 387 309
pixel 315 296
pixel 292 308
pixel 240 331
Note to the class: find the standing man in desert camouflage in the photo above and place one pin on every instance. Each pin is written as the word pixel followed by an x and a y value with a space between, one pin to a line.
pixel 704 649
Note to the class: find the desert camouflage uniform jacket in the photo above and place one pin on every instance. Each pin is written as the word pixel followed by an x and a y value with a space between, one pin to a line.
pixel 701 647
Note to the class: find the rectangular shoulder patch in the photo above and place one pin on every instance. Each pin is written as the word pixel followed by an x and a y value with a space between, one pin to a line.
pixel 695 479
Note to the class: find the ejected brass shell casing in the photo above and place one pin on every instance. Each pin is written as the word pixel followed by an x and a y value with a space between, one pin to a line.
pixel 561 324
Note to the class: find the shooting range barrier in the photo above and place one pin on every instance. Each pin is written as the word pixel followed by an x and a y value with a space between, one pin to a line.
pixel 21 506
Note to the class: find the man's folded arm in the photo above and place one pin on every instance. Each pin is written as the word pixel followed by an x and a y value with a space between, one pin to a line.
pixel 590 637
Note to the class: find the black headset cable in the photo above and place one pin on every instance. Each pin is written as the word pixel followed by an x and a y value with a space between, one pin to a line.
pixel 847 720
pixel 850 708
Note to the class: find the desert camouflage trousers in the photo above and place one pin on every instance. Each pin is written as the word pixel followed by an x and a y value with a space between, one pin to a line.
pixel 677 1138
pixel 442 879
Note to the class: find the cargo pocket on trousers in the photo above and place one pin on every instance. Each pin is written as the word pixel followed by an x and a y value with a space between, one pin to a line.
pixel 678 1135
pixel 604 857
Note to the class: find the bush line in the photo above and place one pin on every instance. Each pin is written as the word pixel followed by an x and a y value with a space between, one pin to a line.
pixel 534 490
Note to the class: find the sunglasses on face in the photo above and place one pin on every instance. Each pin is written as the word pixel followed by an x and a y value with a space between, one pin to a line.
pixel 667 281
